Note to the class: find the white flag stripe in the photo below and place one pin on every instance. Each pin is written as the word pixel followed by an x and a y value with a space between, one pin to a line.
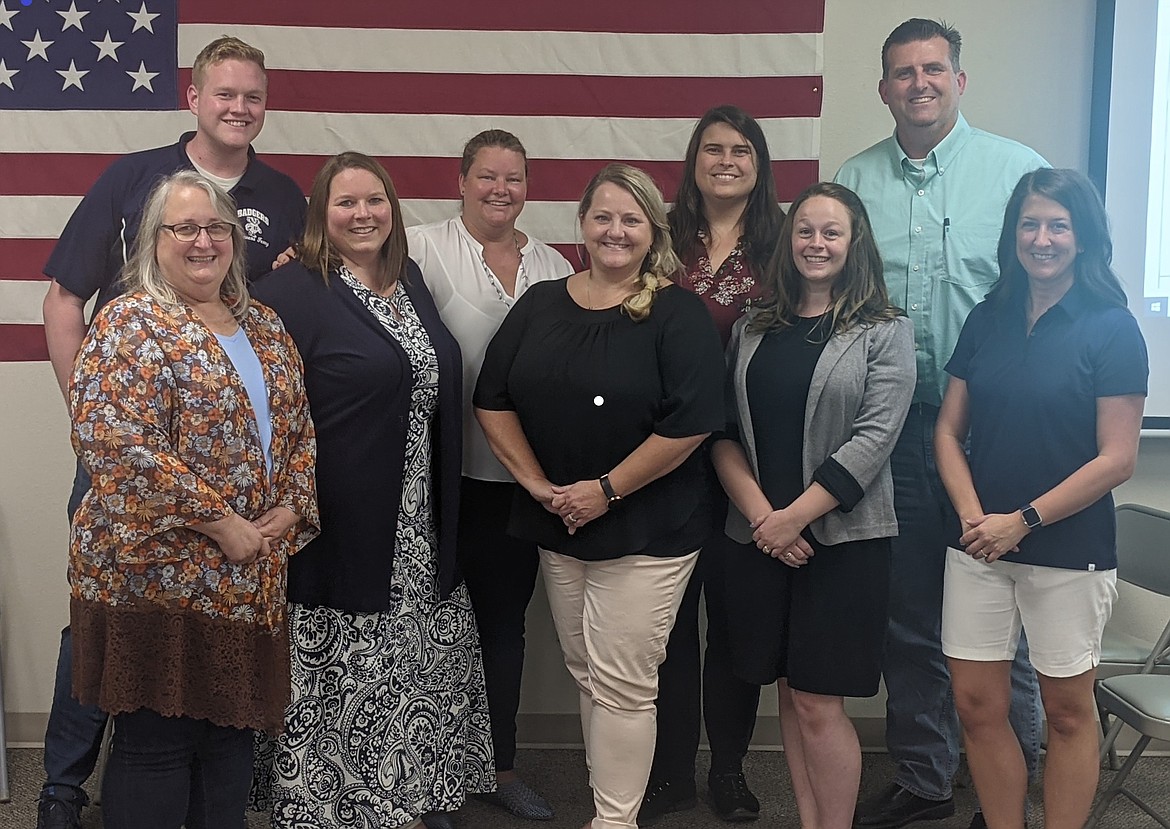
pixel 20 301
pixel 526 53
pixel 44 217
pixel 306 133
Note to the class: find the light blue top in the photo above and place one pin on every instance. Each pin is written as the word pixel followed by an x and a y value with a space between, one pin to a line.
pixel 937 228
pixel 247 365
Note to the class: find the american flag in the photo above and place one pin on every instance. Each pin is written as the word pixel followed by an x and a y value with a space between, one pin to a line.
pixel 84 82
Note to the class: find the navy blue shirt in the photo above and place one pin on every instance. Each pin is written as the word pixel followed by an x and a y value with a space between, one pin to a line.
pixel 97 240
pixel 1033 413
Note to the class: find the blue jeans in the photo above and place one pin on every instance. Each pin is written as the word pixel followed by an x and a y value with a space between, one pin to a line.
pixel 74 734
pixel 922 728
pixel 167 772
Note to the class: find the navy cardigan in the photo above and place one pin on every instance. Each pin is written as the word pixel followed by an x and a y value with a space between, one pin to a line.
pixel 358 381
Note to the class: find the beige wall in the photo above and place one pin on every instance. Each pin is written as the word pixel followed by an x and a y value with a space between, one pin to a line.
pixel 1028 70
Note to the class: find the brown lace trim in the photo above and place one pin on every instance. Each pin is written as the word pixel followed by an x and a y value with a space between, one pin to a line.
pixel 179 664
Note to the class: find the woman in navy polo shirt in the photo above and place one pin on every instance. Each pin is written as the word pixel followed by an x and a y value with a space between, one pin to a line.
pixel 1048 381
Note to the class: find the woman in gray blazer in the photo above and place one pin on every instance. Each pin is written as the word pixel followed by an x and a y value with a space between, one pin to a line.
pixel 821 376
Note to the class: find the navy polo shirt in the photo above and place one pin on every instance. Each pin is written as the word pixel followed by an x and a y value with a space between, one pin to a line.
pixel 1033 413
pixel 97 240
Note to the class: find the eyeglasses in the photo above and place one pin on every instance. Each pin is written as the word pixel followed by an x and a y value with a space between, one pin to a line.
pixel 217 231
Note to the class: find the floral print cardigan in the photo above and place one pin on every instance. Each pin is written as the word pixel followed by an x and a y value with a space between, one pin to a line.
pixel 161 619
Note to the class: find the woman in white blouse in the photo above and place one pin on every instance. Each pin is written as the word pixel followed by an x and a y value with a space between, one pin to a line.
pixel 476 265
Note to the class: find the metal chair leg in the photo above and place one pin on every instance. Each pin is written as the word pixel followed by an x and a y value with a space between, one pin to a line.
pixel 99 772
pixel 1108 750
pixel 5 793
pixel 1116 786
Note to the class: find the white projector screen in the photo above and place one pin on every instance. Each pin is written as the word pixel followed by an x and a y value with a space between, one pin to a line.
pixel 1129 161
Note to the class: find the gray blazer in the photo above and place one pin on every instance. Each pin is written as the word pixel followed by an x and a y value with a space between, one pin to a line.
pixel 857 401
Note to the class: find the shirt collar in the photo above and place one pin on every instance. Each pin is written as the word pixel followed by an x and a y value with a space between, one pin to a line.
pixel 938 159
pixel 1076 302
pixel 246 182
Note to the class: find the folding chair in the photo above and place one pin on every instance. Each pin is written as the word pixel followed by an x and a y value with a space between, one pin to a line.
pixel 1140 700
pixel 1143 536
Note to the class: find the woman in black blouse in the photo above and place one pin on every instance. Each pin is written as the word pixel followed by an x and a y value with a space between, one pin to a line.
pixel 594 394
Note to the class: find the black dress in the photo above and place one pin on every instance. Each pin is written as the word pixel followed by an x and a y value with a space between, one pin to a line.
pixel 821 626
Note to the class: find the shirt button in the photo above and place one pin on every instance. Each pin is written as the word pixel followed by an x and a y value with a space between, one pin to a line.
pixel 915 267
pixel 918 230
pixel 922 192
pixel 914 307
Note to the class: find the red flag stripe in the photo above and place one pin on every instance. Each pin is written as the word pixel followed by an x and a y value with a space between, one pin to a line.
pixel 72 174
pixel 551 95
pixel 24 258
pixel 22 343
pixel 726 17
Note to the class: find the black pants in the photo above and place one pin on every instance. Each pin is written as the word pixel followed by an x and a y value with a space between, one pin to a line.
pixel 728 703
pixel 167 772
pixel 500 572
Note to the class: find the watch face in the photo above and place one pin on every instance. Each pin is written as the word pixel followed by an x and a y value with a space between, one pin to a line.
pixel 1031 517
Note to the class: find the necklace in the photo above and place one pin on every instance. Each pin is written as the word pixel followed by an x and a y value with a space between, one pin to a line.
pixel 494 281
pixel 626 292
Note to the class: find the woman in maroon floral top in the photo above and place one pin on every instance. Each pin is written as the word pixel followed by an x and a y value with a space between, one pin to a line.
pixel 725 223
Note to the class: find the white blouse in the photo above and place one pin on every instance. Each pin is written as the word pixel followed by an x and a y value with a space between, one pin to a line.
pixel 473 303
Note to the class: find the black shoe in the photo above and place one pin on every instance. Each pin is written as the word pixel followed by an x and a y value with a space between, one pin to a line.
pixel 53 813
pixel 978 822
pixel 663 797
pixel 897 807
pixel 731 798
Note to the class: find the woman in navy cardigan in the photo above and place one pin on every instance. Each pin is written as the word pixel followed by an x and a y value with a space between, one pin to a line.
pixel 386 669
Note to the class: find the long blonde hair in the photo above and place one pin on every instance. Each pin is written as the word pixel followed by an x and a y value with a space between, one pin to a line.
pixel 661 263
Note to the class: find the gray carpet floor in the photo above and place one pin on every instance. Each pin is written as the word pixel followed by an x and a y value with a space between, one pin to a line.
pixel 560 775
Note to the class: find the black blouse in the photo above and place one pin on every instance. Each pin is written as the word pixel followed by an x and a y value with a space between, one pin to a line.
pixel 589 387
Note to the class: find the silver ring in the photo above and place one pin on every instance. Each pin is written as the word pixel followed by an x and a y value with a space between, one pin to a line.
pixel 790 557
pixel 572 518
pixel 767 549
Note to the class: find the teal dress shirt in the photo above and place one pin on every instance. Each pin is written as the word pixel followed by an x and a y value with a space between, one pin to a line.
pixel 937 228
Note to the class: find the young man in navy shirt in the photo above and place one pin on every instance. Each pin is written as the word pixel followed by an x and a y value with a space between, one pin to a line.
pixel 227 95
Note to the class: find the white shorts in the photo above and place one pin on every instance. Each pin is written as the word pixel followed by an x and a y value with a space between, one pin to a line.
pixel 1063 612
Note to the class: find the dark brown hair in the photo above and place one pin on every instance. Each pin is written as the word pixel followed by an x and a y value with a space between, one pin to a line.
pixel 315 250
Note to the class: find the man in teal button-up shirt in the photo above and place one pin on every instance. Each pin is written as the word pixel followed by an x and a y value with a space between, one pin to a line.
pixel 935 191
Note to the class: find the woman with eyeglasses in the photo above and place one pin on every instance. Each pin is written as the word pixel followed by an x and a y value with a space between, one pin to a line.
pixel 189 412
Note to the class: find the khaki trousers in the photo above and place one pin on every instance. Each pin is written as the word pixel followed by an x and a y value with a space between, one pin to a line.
pixel 613 619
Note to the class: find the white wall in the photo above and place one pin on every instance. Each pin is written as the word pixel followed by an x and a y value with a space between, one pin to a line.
pixel 1028 68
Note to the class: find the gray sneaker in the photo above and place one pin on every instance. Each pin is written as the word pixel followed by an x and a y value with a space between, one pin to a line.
pixel 521 800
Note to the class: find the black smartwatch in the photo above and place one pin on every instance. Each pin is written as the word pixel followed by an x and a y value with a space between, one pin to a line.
pixel 610 493
pixel 1032 519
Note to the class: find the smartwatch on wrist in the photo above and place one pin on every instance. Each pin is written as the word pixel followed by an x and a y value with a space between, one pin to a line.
pixel 1032 519
pixel 610 493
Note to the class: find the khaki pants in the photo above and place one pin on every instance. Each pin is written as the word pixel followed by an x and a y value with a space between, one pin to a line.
pixel 613 619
